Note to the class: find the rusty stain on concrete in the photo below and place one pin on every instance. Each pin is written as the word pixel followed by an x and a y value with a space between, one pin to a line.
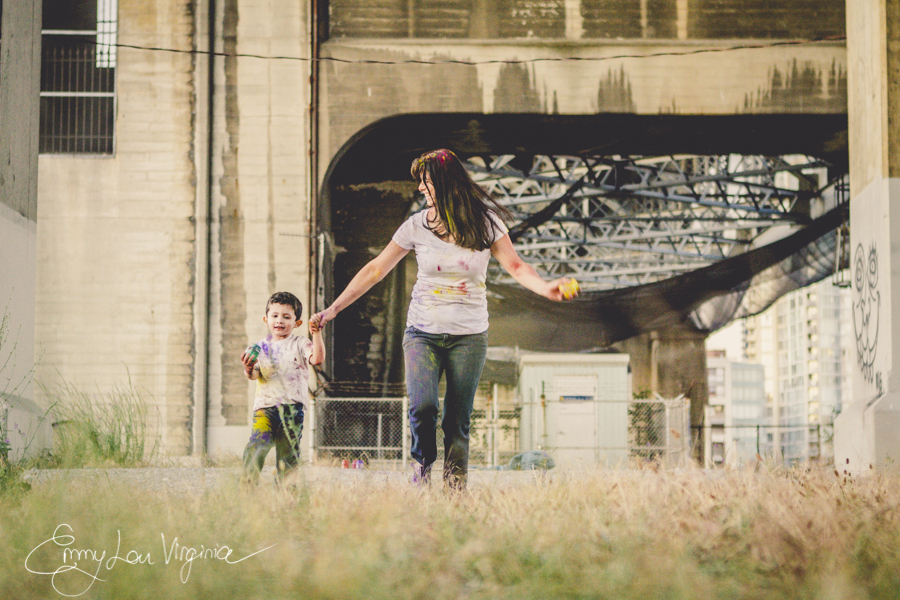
pixel 614 94
pixel 803 88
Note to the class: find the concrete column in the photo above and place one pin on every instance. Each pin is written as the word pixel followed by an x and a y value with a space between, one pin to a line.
pixel 20 68
pixel 205 16
pixel 672 362
pixel 574 20
pixel 867 432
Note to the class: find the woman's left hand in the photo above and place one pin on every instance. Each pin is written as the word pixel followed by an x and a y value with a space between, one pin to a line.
pixel 555 292
pixel 525 274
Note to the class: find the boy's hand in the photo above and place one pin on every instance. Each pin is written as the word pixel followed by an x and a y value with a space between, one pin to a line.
pixel 316 325
pixel 248 363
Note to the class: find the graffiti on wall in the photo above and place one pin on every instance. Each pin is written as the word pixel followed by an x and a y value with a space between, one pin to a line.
pixel 866 311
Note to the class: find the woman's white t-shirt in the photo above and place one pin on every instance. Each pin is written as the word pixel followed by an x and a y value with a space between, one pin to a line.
pixel 450 295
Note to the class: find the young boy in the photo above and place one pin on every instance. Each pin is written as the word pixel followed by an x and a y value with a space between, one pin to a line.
pixel 282 376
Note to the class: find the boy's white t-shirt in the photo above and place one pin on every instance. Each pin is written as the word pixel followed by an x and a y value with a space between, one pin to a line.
pixel 450 295
pixel 283 371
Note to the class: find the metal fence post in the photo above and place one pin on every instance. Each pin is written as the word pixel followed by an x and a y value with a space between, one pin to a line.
pixel 495 427
pixel 758 453
pixel 312 429
pixel 379 452
pixel 406 441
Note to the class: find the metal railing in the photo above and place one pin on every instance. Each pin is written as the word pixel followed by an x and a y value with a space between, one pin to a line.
pixel 78 91
pixel 376 431
pixel 815 445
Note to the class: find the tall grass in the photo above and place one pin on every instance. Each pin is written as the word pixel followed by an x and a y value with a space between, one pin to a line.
pixel 15 439
pixel 103 428
pixel 599 534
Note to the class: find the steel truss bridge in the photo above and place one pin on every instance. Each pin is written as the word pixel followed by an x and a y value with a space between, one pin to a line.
pixel 621 221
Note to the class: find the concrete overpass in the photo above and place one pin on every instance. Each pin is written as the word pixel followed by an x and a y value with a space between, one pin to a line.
pixel 686 83
pixel 240 129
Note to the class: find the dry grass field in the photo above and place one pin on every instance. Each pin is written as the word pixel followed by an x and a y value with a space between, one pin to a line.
pixel 617 534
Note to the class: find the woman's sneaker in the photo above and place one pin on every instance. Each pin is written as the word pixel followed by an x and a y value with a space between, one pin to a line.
pixel 421 476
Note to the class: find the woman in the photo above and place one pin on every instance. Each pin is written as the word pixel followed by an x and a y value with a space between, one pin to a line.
pixel 454 239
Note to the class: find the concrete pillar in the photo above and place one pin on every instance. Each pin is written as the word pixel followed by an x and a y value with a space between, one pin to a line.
pixel 867 432
pixel 670 363
pixel 20 68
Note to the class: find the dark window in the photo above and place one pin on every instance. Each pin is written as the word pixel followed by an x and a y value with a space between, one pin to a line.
pixel 78 76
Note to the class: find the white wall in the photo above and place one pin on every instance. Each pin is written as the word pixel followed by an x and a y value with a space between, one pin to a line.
pixel 25 422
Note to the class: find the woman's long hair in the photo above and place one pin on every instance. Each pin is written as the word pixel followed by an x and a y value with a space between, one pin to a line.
pixel 462 205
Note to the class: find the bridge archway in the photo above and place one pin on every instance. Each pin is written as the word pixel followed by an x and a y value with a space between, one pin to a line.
pixel 367 192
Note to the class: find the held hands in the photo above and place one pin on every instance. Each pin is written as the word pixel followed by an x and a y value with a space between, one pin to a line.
pixel 315 324
pixel 319 320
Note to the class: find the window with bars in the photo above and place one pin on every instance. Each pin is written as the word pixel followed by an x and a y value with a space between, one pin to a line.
pixel 78 77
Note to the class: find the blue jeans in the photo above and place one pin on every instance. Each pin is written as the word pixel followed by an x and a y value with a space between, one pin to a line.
pixel 429 356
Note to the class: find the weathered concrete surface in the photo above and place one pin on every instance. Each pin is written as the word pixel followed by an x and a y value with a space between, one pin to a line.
pixel 670 363
pixel 20 55
pixel 20 59
pixel 117 275
pixel 790 79
pixel 866 432
pixel 115 250
pixel 587 19
pixel 262 201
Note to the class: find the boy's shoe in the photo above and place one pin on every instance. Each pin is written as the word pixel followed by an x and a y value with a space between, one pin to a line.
pixel 421 476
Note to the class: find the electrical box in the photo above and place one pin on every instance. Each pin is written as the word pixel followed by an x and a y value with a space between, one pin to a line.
pixel 575 407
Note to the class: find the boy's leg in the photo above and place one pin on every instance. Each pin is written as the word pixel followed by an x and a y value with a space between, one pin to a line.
pixel 261 441
pixel 465 361
pixel 287 439
pixel 422 355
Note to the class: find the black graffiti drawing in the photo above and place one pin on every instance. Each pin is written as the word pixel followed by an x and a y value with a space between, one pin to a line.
pixel 866 309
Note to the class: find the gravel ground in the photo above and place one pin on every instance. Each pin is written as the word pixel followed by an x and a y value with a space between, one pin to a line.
pixel 172 480
pixel 180 480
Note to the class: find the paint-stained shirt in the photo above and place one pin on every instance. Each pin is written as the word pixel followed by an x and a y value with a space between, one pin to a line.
pixel 283 371
pixel 450 295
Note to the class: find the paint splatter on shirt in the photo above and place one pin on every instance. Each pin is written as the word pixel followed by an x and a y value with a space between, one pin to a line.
pixel 450 295
pixel 283 372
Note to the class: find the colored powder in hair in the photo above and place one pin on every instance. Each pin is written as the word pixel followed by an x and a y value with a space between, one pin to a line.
pixel 450 226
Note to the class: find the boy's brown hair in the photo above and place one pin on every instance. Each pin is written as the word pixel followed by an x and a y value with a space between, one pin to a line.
pixel 287 299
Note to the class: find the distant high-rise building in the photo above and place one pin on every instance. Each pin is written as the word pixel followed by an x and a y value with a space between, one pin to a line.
pixel 736 418
pixel 803 342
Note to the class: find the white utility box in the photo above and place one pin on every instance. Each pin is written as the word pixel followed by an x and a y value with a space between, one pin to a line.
pixel 575 407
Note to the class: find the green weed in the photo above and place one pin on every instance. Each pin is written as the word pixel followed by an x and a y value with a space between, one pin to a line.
pixel 104 428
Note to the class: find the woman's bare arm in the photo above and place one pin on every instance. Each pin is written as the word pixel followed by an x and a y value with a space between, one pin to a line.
pixel 374 271
pixel 524 273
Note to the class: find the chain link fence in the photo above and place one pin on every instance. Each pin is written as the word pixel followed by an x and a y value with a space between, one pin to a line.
pixel 739 443
pixel 373 430
pixel 376 432
pixel 659 430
